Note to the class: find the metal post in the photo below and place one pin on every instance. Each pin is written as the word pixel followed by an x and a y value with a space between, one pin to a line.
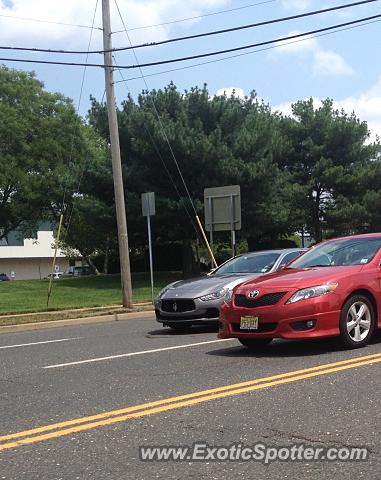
pixel 116 161
pixel 150 253
pixel 232 225
pixel 233 243
pixel 211 222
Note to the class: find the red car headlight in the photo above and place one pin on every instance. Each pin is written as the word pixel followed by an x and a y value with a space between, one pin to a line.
pixel 312 292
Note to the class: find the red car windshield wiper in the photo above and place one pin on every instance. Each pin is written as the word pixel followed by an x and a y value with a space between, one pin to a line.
pixel 318 265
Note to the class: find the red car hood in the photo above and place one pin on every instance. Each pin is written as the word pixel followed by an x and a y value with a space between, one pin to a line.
pixel 291 278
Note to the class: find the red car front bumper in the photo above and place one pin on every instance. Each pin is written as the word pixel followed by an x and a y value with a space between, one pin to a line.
pixel 284 320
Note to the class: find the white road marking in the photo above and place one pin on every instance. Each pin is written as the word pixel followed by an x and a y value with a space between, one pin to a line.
pixel 39 343
pixel 100 359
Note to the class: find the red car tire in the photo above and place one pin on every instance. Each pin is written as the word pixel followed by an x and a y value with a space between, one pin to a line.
pixel 357 322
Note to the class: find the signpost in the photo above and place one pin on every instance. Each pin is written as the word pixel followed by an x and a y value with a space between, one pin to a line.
pixel 223 211
pixel 148 209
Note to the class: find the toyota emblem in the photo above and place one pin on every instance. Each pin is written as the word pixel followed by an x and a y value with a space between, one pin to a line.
pixel 253 294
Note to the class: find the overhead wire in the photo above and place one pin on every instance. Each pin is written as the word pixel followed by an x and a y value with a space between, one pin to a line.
pixel 196 17
pixel 141 27
pixel 163 72
pixel 38 20
pixel 203 55
pixel 245 27
pixel 245 47
pixel 192 37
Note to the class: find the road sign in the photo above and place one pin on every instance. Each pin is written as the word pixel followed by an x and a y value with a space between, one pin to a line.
pixel 148 204
pixel 222 208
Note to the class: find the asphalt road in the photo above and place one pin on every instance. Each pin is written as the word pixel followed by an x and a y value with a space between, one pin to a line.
pixel 121 374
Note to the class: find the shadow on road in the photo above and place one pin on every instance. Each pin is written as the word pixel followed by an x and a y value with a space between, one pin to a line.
pixel 194 330
pixel 290 348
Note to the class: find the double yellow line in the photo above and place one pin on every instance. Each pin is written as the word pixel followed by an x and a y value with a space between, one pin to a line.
pixel 69 427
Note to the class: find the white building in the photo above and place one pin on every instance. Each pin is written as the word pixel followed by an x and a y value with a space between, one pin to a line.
pixel 24 259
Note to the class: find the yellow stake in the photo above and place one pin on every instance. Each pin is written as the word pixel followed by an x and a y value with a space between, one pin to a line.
pixel 207 243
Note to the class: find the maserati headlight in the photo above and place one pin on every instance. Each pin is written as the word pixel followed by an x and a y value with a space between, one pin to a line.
pixel 229 288
pixel 313 292
pixel 161 293
pixel 214 295
pixel 229 296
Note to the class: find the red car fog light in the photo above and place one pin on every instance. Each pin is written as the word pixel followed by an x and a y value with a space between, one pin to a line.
pixel 304 325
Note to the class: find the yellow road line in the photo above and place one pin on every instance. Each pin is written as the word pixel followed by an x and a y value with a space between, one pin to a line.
pixel 165 401
pixel 182 401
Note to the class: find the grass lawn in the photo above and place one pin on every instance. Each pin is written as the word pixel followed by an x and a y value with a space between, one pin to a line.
pixel 30 295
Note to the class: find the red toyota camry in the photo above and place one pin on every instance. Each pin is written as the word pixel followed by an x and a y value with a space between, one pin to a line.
pixel 334 289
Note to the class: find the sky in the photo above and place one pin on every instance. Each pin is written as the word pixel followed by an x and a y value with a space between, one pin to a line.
pixel 343 66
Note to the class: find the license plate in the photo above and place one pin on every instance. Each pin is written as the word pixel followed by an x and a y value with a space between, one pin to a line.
pixel 249 323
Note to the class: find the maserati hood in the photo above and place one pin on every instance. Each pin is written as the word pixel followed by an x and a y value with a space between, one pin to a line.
pixel 200 286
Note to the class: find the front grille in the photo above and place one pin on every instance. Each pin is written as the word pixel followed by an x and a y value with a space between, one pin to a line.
pixel 177 306
pixel 210 314
pixel 262 328
pixel 264 301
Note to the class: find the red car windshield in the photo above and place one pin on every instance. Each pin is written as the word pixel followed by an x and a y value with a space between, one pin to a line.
pixel 341 252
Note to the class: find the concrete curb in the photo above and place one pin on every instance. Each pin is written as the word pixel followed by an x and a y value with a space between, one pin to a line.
pixel 70 310
pixel 114 317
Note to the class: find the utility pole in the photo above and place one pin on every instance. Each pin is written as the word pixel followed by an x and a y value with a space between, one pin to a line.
pixel 116 161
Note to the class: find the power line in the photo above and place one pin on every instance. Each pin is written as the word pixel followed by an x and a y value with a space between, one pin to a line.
pixel 203 55
pixel 171 22
pixel 244 27
pixel 245 47
pixel 49 21
pixel 246 53
pixel 192 37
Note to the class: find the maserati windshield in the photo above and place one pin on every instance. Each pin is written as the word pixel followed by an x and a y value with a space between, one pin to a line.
pixel 254 263
pixel 341 252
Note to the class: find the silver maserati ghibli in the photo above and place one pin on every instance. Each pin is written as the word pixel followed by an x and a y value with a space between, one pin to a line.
pixel 197 301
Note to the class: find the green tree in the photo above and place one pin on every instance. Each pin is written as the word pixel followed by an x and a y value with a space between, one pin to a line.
pixel 357 206
pixel 89 222
pixel 40 141
pixel 329 159
pixel 216 141
pixel 51 163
